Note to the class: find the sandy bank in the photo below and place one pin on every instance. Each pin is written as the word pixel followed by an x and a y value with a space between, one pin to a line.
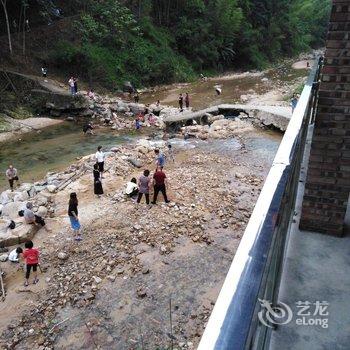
pixel 23 126
pixel 303 64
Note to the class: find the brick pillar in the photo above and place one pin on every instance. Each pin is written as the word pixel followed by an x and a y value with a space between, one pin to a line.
pixel 328 180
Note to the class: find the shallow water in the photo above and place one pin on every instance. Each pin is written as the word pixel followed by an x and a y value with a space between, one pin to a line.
pixel 203 95
pixel 52 149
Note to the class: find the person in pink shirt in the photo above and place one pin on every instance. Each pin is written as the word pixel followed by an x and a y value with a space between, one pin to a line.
pixel 31 256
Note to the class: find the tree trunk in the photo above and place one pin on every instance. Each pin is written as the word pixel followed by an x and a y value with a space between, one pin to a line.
pixel 24 28
pixel 3 2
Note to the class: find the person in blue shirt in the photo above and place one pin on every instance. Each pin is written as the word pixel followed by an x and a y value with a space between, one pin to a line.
pixel 160 159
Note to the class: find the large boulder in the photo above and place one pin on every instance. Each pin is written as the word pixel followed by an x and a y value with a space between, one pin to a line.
pixel 135 162
pixel 136 108
pixel 42 211
pixel 128 87
pixel 5 198
pixel 21 197
pixel 41 200
pixel 11 210
pixel 20 234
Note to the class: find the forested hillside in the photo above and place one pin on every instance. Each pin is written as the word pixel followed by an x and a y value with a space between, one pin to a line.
pixel 160 41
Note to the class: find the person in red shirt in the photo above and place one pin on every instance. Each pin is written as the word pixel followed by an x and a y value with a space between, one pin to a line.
pixel 31 256
pixel 159 183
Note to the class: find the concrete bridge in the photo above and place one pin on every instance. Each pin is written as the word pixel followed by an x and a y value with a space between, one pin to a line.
pixel 43 93
pixel 270 116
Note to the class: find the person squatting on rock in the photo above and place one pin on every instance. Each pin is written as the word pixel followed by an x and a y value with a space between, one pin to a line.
pixel 31 218
pixel 31 256
pixel 100 159
pixel 159 185
pixel 144 184
pixel 132 189
pixel 15 255
pixel 12 175
pixel 160 158
pixel 98 190
pixel 73 216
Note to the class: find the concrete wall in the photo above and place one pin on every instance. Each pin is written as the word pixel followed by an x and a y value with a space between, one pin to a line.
pixel 328 179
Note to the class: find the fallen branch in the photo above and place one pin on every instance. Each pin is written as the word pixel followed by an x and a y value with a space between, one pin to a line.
pixel 2 286
pixel 24 291
pixel 58 324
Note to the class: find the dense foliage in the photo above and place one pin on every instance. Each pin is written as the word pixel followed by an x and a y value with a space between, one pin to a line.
pixel 158 41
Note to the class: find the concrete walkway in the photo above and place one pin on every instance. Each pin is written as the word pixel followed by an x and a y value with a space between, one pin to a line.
pixel 316 268
pixel 46 83
pixel 281 111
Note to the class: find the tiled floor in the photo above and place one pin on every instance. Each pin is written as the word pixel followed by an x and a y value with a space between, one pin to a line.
pixel 317 268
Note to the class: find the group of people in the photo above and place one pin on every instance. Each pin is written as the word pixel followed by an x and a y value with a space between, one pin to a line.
pixel 30 254
pixel 135 189
pixel 144 117
pixel 31 257
pixel 183 99
pixel 73 85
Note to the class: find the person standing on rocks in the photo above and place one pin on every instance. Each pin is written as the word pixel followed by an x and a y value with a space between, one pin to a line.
pixel 75 85
pixel 98 190
pixel 136 97
pixel 159 184
pixel 12 176
pixel 100 159
pixel 71 86
pixel 294 102
pixel 170 154
pixel 88 129
pixel 181 102
pixel 160 158
pixel 44 71
pixel 144 184
pixel 31 256
pixel 187 100
pixel 73 215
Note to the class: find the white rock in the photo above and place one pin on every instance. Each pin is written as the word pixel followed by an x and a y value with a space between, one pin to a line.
pixel 97 279
pixel 11 209
pixel 62 256
pixel 51 188
pixel 4 257
pixel 21 197
pixel 4 197
pixel 41 200
pixel 42 211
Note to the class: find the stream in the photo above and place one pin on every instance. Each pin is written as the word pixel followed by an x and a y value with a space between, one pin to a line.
pixel 54 148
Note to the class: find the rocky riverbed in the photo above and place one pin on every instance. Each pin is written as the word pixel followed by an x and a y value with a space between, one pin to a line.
pixel 114 289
